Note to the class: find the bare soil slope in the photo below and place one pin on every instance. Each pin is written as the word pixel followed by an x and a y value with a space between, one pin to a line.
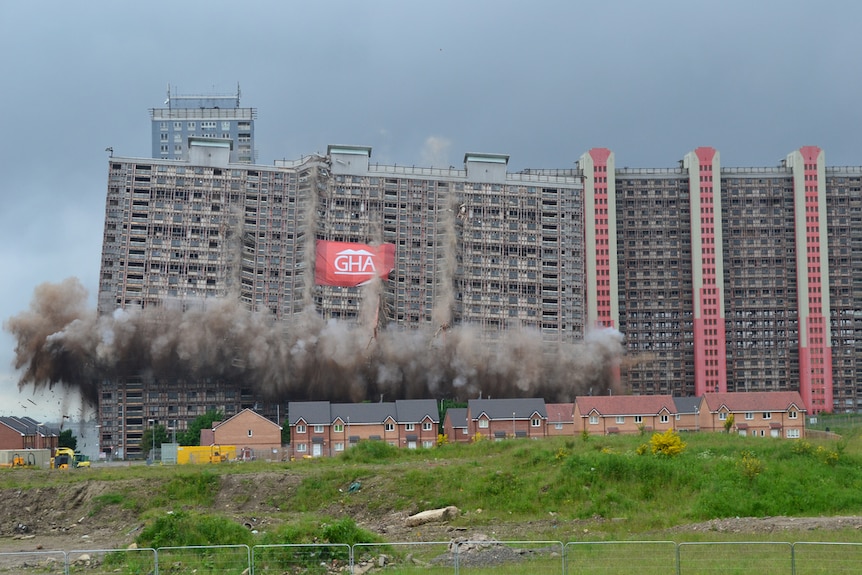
pixel 72 516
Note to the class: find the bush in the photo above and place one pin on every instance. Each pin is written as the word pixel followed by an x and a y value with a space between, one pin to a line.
pixel 181 529
pixel 667 444
pixel 371 450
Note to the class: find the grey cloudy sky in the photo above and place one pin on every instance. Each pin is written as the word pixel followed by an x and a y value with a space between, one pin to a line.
pixel 420 82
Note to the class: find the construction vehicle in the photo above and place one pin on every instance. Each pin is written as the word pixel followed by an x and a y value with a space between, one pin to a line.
pixel 66 458
pixel 205 454
pixel 20 460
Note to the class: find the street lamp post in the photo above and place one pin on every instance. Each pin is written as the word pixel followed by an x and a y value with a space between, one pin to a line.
pixel 153 433
pixel 513 424
pixel 39 434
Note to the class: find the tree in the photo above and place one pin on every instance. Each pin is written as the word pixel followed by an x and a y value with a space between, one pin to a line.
pixel 728 423
pixel 192 434
pixel 66 439
pixel 285 432
pixel 161 434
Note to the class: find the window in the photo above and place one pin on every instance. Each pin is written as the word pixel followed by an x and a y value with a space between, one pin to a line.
pixel 639 419
pixel 301 448
pixel 594 420
pixel 792 415
pixel 558 426
pixel 339 446
pixel 300 428
pixel 722 416
pixel 409 427
pixel 767 415
pixel 620 419
pixel 249 432
pixel 190 126
pixel 318 429
pixel 427 444
pixel 793 434
pixel 338 428
pixel 536 422
pixel 749 415
pixel 426 426
pixel 225 126
pixel 389 427
pixel 483 423
pixel 663 418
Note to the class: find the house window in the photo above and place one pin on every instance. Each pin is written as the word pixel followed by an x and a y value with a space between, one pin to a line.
pixel 483 424
pixel 767 415
pixel 594 420
pixel 749 415
pixel 301 448
pixel 722 416
pixel 639 419
pixel 793 434
pixel 318 429
pixel 339 446
pixel 426 426
pixel 427 444
pixel 792 415
pixel 663 418
pixel 620 419
pixel 409 427
pixel 536 422
pixel 249 433
pixel 465 431
pixel 300 429
pixel 558 426
pixel 338 428
pixel 389 427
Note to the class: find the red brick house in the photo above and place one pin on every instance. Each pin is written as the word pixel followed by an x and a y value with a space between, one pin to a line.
pixel 455 426
pixel 501 418
pixel 610 414
pixel 561 419
pixel 321 428
pixel 254 436
pixel 755 413
pixel 26 433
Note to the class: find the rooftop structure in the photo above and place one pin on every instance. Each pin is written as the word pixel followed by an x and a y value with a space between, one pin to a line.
pixel 206 116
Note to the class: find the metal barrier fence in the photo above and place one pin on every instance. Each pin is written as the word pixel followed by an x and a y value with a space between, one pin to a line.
pixel 460 556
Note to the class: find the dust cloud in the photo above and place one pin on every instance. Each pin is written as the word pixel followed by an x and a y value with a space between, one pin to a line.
pixel 62 341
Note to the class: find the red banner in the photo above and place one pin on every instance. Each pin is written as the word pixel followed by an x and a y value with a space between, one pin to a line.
pixel 347 264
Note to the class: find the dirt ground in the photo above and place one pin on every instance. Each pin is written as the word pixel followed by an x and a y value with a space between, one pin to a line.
pixel 70 517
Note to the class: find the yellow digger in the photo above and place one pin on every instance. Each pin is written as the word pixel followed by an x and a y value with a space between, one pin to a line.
pixel 66 458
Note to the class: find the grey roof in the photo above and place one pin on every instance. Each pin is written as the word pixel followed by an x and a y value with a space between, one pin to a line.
pixel 363 412
pixel 457 416
pixel 686 404
pixel 312 412
pixel 415 410
pixel 28 426
pixel 17 425
pixel 504 408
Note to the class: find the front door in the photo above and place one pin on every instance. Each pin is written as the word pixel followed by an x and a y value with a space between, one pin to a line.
pixel 316 450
